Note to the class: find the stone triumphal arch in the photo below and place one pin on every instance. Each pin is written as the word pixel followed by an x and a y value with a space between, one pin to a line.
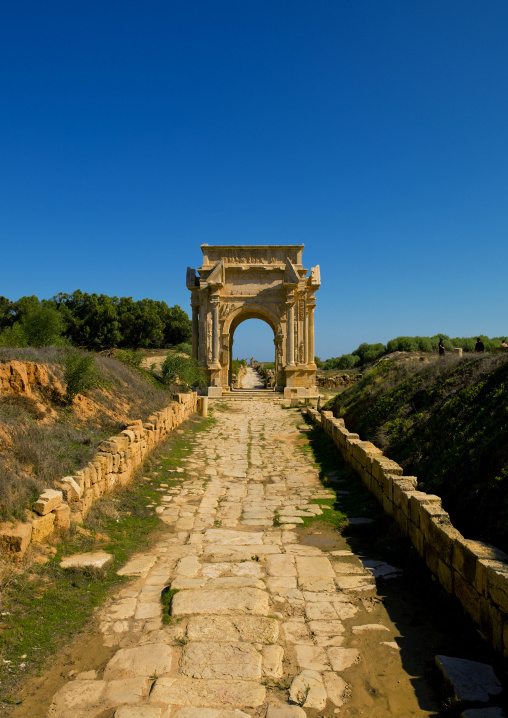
pixel 236 283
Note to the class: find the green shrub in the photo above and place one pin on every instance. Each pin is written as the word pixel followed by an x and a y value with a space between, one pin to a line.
pixel 369 352
pixel 81 373
pixel 184 348
pixel 178 371
pixel 131 357
pixel 346 361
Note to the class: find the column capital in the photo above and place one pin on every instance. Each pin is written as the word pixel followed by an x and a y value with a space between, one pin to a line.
pixel 214 299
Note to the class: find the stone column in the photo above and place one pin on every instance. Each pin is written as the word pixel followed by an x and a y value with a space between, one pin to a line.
pixel 195 327
pixel 311 303
pixel 305 332
pixel 214 301
pixel 290 337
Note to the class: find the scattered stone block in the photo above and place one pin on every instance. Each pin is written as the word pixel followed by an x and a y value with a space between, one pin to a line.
pixel 369 627
pixel 470 680
pixel 15 537
pixel 95 559
pixel 47 501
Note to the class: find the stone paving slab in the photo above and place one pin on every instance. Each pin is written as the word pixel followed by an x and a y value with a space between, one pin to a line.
pixel 207 693
pixel 220 601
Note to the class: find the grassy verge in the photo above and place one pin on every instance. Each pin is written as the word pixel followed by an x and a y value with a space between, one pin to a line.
pixel 44 605
pixel 336 475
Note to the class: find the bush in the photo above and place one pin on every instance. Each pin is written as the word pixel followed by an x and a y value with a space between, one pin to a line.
pixel 131 357
pixel 178 370
pixel 346 361
pixel 81 373
pixel 184 348
pixel 369 352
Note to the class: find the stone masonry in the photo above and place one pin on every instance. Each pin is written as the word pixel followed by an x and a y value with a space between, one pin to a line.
pixel 262 625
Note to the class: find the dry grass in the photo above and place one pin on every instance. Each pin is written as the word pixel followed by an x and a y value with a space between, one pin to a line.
pixel 42 440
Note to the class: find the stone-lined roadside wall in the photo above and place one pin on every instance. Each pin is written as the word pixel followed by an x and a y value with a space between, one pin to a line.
pixel 113 465
pixel 475 572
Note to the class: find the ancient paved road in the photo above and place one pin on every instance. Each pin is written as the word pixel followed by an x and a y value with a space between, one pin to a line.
pixel 252 379
pixel 262 624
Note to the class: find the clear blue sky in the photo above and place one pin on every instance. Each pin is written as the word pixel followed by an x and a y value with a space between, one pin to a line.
pixel 373 131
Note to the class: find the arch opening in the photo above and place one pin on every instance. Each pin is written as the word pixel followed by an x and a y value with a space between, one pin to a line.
pixel 252 338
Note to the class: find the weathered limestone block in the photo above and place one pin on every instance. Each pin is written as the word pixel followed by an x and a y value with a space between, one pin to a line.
pixel 207 693
pixel 204 713
pixel 399 484
pixel 71 489
pixel 93 559
pixel 470 680
pixel 442 536
pixel 336 687
pixel 285 711
pixel 315 573
pixel 15 537
pixel 42 527
pixel 106 462
pixel 78 699
pixel 419 499
pixel 342 658
pixel 497 584
pixel 259 629
pixel 312 658
pixel 281 565
pixel 382 465
pixel 220 601
pixel 236 660
pixel 467 595
pixel 146 660
pixel 48 501
pixel 308 691
pixel 272 661
pixel 62 517
pixel 429 512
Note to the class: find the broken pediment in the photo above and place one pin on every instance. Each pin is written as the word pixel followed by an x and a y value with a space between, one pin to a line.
pixel 216 276
pixel 291 276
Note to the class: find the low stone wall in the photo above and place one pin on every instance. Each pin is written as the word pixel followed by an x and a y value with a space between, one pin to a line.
pixel 113 465
pixel 475 572
pixel 337 381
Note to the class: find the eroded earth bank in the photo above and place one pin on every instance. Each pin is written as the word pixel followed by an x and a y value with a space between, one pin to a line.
pixel 267 609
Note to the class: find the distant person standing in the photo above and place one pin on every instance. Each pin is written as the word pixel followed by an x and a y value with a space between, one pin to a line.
pixel 441 348
pixel 479 346
pixel 504 345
